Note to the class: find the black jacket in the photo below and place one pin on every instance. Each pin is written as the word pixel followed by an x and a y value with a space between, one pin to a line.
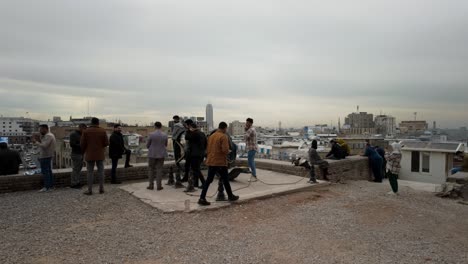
pixel 196 143
pixel 9 162
pixel 116 145
pixel 337 151
pixel 75 138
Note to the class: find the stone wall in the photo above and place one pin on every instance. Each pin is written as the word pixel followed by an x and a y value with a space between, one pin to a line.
pixel 352 168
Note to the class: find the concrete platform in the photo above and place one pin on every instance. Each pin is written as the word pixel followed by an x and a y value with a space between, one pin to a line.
pixel 175 200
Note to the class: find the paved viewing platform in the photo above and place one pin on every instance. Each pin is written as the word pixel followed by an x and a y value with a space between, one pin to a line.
pixel 175 200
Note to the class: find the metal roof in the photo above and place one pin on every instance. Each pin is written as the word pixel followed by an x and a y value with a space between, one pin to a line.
pixel 448 147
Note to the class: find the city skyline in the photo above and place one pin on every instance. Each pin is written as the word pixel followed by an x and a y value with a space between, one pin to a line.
pixel 300 62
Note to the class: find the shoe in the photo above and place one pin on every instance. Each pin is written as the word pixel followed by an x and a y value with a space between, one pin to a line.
pixel 178 185
pixel 233 198
pixel 190 190
pixel 392 193
pixel 150 187
pixel 159 188
pixel 77 186
pixel 253 179
pixel 184 179
pixel 203 202
pixel 88 193
pixel 116 182
pixel 101 191
pixel 311 182
pixel 128 166
pixel 221 198
pixel 44 189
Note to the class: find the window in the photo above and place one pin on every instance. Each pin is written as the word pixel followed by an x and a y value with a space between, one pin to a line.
pixel 426 157
pixel 415 161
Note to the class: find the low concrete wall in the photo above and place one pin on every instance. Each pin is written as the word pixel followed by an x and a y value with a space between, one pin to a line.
pixel 352 168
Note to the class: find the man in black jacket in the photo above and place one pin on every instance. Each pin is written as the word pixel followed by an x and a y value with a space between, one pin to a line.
pixel 76 156
pixel 116 149
pixel 336 152
pixel 197 146
pixel 9 160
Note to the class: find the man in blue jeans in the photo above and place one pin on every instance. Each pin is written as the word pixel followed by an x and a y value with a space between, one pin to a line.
pixel 250 138
pixel 46 144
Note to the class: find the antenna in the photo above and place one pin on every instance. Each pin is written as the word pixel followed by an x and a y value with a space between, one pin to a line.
pixel 415 115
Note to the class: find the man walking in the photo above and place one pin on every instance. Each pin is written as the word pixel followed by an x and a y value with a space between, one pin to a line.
pixel 197 146
pixel 156 144
pixel 116 149
pixel 93 143
pixel 46 146
pixel 217 150
pixel 250 138
pixel 76 156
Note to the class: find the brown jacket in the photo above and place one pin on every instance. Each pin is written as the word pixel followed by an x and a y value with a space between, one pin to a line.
pixel 217 149
pixel 93 143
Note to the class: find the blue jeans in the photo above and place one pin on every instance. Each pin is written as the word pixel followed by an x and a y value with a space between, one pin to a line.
pixel 251 161
pixel 46 170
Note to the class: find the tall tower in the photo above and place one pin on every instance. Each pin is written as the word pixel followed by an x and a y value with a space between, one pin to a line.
pixel 209 116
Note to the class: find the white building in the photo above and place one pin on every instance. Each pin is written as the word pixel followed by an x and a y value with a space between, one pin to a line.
pixel 427 162
pixel 385 124
pixel 236 128
pixel 209 116
pixel 17 126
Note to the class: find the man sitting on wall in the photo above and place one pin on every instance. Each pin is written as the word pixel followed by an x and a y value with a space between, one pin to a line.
pixel 9 160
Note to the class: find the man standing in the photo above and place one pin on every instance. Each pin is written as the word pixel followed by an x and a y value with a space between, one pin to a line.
pixel 217 150
pixel 177 132
pixel 197 146
pixel 116 149
pixel 9 160
pixel 93 143
pixel 156 144
pixel 46 146
pixel 250 138
pixel 76 156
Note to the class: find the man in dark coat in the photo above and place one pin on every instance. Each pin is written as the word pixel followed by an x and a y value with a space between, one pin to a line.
pixel 9 160
pixel 197 146
pixel 336 152
pixel 76 156
pixel 116 149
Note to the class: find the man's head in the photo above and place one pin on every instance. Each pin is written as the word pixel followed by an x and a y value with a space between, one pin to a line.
pixel 222 127
pixel 43 129
pixel 3 145
pixel 176 119
pixel 117 128
pixel 95 121
pixel 332 141
pixel 248 123
pixel 188 122
pixel 157 125
pixel 82 127
pixel 192 126
pixel 314 144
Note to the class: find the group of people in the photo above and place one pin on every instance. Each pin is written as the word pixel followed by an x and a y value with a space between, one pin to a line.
pixel 216 148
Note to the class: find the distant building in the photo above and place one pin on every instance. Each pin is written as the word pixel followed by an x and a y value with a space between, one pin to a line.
pixel 385 125
pixel 56 119
pixel 359 123
pixel 411 127
pixel 18 130
pixel 209 116
pixel 236 128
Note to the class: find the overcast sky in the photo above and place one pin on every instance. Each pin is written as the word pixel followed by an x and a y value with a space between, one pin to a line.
pixel 298 62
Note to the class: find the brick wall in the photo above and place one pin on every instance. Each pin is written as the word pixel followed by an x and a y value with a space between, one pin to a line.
pixel 352 168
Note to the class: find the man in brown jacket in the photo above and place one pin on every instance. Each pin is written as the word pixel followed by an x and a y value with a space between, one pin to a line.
pixel 93 143
pixel 217 150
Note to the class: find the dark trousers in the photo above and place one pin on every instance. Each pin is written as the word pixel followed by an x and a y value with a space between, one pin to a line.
pixel 223 173
pixel 376 166
pixel 392 178
pixel 195 163
pixel 115 162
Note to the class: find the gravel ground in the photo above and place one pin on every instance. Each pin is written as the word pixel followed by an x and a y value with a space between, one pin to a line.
pixel 345 223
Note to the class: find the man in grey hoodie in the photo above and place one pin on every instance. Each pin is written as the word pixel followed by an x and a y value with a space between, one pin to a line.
pixel 46 145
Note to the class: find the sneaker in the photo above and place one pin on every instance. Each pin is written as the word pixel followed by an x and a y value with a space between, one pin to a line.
pixel 170 182
pixel 88 193
pixel 128 166
pixel 253 179
pixel 101 191
pixel 179 185
pixel 150 187
pixel 311 182
pixel 233 198
pixel 44 189
pixel 190 190
pixel 203 202
pixel 392 193
pixel 77 186
pixel 221 198
pixel 159 188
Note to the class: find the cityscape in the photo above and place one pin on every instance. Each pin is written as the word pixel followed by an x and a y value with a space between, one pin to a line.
pixel 219 132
